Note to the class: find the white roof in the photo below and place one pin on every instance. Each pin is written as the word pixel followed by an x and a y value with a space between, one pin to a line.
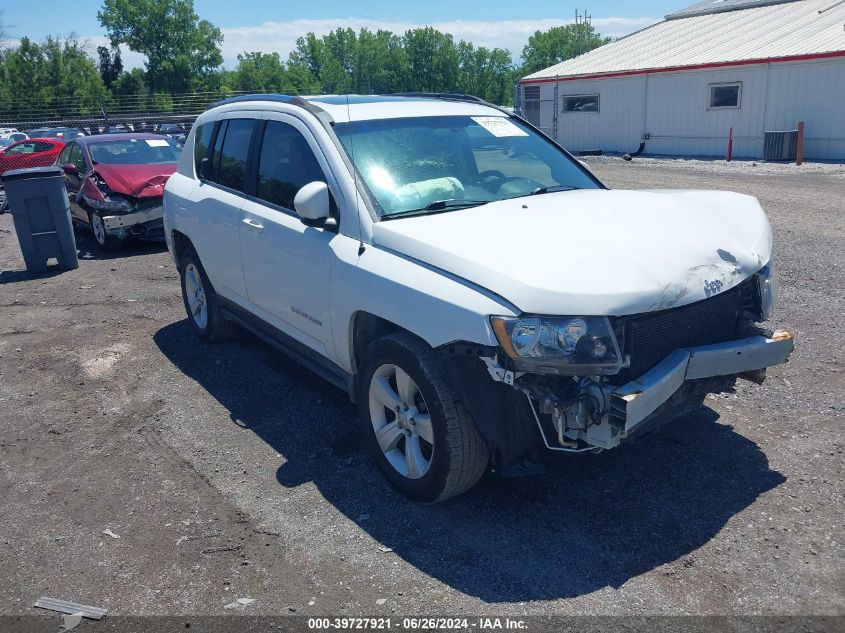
pixel 343 108
pixel 785 30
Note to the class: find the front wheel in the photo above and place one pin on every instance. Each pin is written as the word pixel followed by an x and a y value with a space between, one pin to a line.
pixel 420 435
pixel 105 241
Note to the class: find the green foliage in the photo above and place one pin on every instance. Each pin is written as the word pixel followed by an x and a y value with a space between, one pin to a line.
pixel 259 72
pixel 131 84
pixel 422 60
pixel 53 79
pixel 183 52
pixel 57 78
pixel 110 64
pixel 432 60
pixel 546 48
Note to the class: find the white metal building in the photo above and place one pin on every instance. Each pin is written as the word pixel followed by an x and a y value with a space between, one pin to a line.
pixel 681 84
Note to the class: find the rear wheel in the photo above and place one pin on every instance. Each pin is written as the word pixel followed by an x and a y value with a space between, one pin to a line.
pixel 421 437
pixel 201 302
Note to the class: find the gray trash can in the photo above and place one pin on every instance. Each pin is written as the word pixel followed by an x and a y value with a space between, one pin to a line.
pixel 40 209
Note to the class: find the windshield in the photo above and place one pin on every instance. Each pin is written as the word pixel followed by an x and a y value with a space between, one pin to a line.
pixel 135 151
pixel 428 164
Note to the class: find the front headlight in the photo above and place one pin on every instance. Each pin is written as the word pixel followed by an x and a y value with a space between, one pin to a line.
pixel 767 289
pixel 559 345
pixel 113 204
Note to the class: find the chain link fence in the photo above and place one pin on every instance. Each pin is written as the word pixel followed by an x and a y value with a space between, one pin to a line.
pixel 35 135
pixel 40 143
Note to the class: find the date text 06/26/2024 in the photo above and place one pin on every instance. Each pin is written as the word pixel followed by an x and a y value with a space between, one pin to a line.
pixel 416 624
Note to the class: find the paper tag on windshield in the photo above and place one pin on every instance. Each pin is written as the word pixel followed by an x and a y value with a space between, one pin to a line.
pixel 157 142
pixel 499 126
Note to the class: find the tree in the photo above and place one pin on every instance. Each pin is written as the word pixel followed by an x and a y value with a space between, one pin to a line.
pixel 54 79
pixel 432 60
pixel 183 52
pixel 547 48
pixel 130 84
pixel 74 78
pixel 259 72
pixel 110 64
pixel 381 63
pixel 423 60
pixel 485 73
pixel 327 62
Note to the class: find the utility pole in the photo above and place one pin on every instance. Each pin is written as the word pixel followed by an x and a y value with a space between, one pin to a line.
pixel 578 30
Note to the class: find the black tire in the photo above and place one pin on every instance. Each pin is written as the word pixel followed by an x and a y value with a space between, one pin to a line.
pixel 216 326
pixel 460 456
pixel 103 240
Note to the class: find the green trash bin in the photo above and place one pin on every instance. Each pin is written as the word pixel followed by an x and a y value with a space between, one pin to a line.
pixel 40 209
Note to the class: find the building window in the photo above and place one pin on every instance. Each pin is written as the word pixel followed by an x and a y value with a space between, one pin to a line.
pixel 725 95
pixel 531 104
pixel 581 103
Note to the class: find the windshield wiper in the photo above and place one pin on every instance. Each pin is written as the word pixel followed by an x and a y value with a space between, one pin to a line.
pixel 436 207
pixel 551 189
pixel 452 203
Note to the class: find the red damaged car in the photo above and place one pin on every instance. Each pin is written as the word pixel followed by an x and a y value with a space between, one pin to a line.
pixel 31 152
pixel 115 183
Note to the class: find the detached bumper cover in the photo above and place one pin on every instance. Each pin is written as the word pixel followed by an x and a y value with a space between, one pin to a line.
pixel 113 222
pixel 633 402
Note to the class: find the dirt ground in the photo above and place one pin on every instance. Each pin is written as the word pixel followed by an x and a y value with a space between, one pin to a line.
pixel 227 471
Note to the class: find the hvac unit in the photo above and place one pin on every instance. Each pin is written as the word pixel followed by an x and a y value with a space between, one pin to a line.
pixel 780 145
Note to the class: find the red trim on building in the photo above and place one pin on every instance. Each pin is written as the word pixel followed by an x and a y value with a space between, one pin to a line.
pixel 674 69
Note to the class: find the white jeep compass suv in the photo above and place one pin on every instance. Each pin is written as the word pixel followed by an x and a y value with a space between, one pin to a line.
pixel 474 288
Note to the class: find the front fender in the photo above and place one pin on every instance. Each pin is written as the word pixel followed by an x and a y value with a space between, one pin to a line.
pixel 430 303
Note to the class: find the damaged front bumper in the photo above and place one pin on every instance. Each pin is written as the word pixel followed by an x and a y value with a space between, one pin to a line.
pixel 122 221
pixel 147 224
pixel 590 413
pixel 603 415
pixel 633 402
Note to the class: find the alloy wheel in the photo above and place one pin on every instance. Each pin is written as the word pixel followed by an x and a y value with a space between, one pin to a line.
pixel 401 421
pixel 99 229
pixel 195 292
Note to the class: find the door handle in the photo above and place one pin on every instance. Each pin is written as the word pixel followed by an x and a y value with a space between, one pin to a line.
pixel 253 224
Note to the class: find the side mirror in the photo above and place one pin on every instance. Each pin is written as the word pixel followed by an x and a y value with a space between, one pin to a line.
pixel 312 203
pixel 70 169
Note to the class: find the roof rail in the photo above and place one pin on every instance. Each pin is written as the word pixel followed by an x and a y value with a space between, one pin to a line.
pixel 277 98
pixel 446 96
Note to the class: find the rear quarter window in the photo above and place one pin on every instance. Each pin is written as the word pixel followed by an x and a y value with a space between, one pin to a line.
pixel 202 140
pixel 231 149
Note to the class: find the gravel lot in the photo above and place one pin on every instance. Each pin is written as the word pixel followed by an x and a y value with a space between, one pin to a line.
pixel 227 471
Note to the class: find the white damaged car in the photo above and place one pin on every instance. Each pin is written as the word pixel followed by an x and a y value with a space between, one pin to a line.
pixel 474 288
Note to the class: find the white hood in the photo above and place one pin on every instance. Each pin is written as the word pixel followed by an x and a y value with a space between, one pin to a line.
pixel 593 252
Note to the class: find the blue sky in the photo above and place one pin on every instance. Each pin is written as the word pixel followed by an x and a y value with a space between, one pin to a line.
pixel 270 25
